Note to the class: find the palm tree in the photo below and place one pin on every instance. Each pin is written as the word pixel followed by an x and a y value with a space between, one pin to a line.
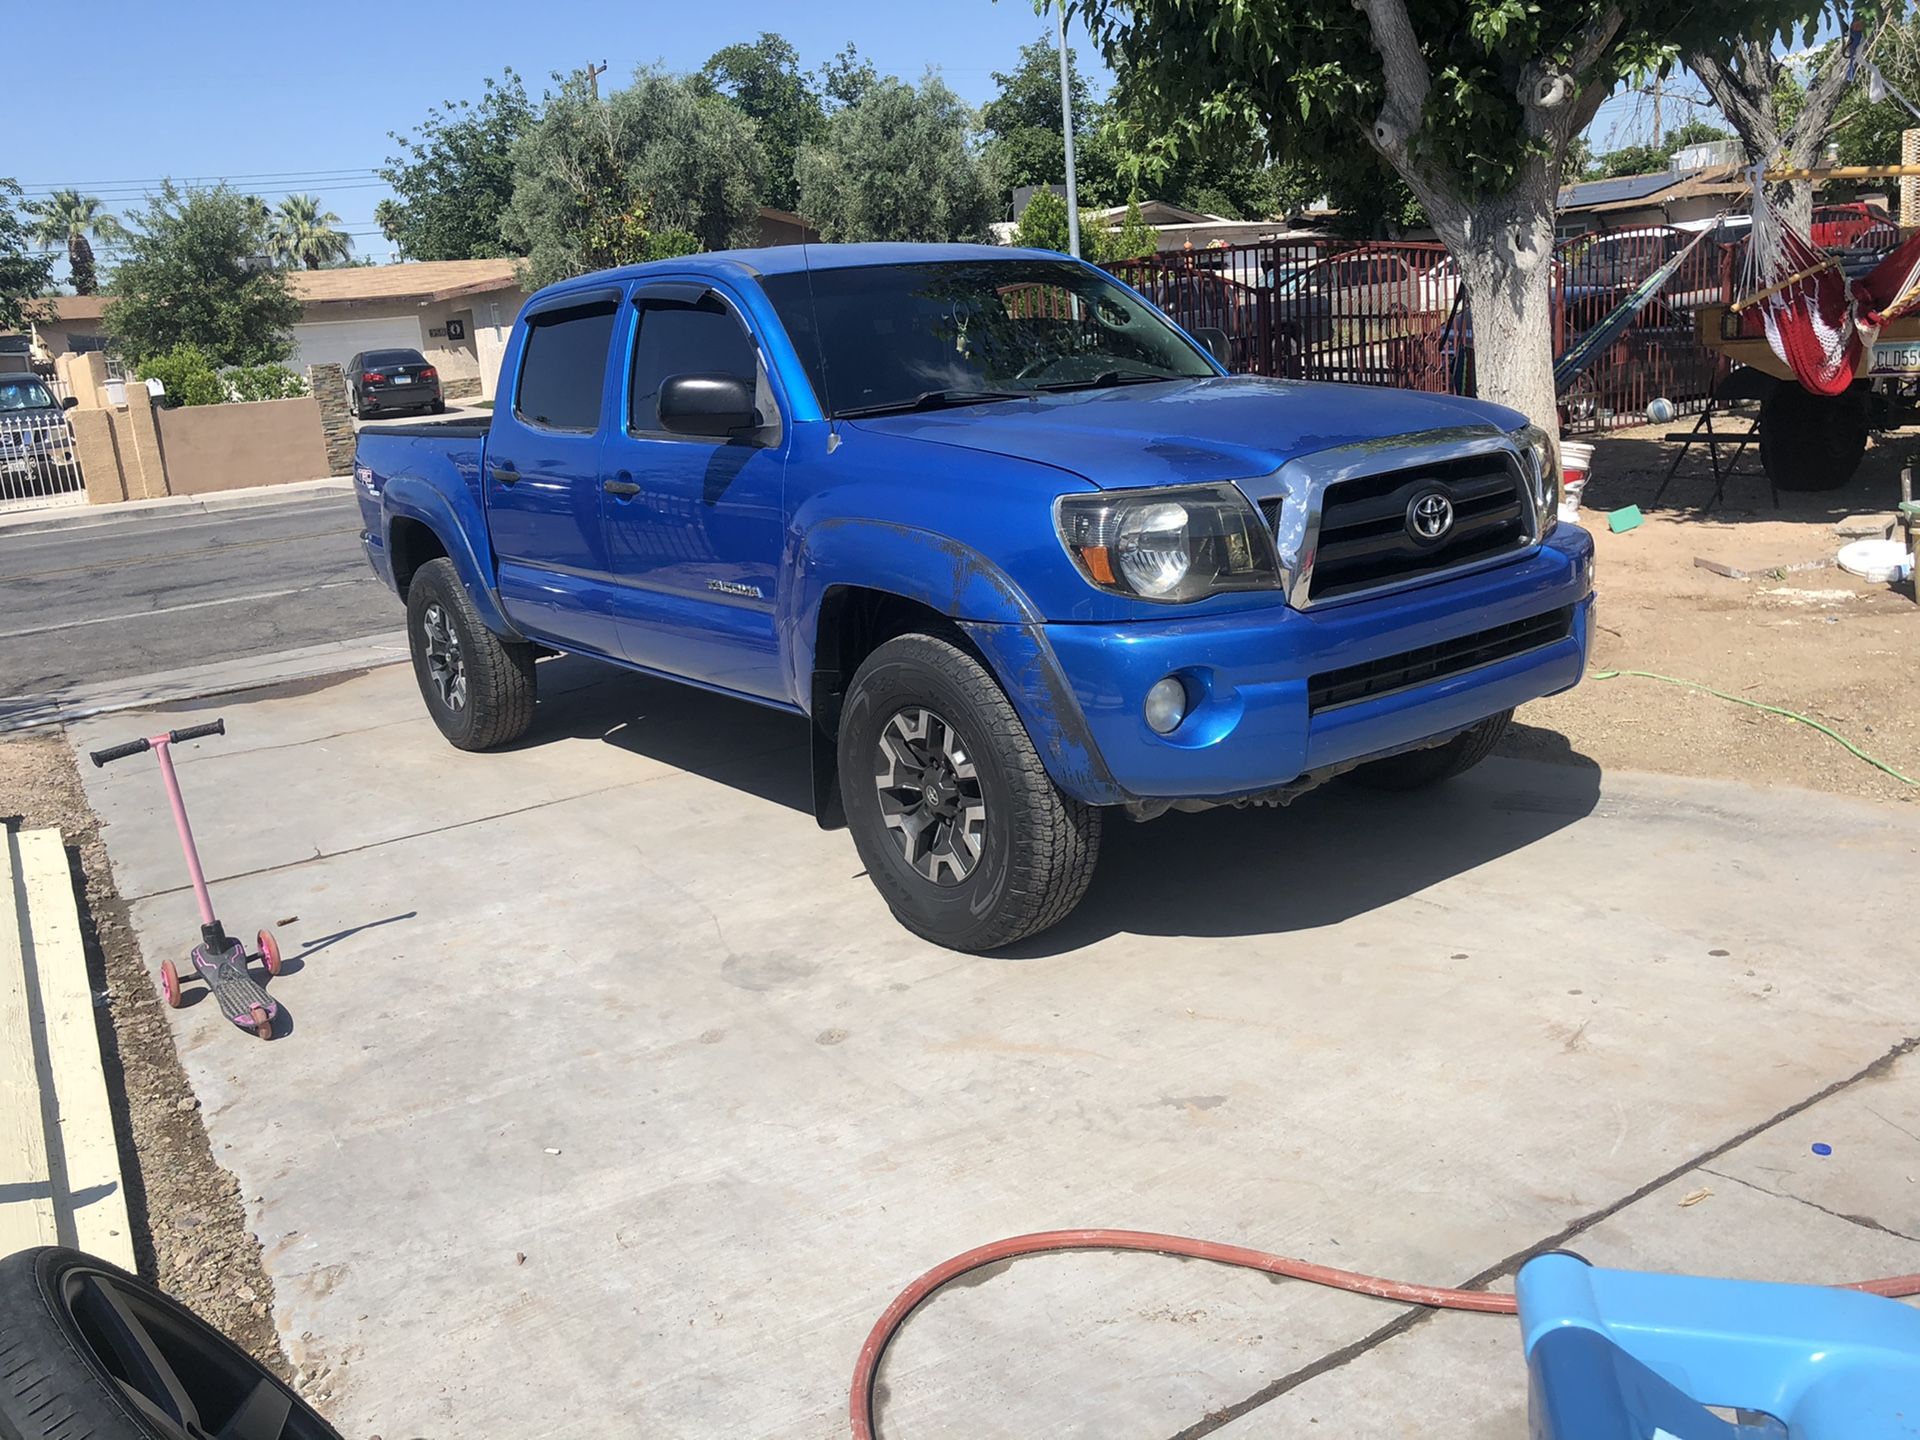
pixel 66 218
pixel 303 233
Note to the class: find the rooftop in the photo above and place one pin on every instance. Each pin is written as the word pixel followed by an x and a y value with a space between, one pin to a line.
pixel 422 280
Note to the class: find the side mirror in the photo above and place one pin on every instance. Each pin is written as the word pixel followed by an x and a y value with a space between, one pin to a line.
pixel 69 402
pixel 717 405
pixel 1217 343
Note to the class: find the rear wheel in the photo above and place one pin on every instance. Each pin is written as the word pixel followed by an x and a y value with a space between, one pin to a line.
pixel 1417 769
pixel 478 687
pixel 88 1350
pixel 960 827
pixel 1812 442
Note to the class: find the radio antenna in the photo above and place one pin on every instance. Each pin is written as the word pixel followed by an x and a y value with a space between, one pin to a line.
pixel 819 349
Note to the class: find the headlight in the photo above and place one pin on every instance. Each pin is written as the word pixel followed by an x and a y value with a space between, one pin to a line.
pixel 1171 546
pixel 1541 458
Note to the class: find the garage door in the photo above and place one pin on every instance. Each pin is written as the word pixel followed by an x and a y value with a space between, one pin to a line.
pixel 335 342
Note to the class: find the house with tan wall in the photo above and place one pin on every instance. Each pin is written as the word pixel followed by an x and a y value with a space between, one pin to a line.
pixel 455 312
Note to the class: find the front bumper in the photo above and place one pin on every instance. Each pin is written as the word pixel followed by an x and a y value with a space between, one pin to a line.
pixel 1252 727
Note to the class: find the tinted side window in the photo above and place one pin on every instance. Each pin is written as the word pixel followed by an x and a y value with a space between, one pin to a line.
pixel 563 366
pixel 681 339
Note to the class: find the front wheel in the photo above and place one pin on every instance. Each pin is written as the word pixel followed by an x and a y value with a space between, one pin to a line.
pixel 960 827
pixel 1417 769
pixel 478 687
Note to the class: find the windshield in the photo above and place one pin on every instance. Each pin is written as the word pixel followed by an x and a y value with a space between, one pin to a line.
pixel 907 336
pixel 395 357
pixel 24 395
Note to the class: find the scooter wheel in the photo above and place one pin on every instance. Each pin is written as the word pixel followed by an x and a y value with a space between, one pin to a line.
pixel 262 1022
pixel 170 983
pixel 270 952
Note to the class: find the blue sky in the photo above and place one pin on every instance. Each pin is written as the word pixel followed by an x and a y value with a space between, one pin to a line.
pixel 301 98
pixel 280 98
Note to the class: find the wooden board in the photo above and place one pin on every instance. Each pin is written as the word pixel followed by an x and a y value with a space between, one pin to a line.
pixel 26 1187
pixel 93 1194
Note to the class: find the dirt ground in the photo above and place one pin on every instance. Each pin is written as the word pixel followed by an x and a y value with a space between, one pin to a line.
pixel 189 1229
pixel 1816 641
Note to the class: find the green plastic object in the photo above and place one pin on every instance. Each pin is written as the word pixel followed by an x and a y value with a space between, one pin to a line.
pixel 1627 517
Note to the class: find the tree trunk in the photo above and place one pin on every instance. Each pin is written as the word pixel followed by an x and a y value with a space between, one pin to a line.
pixel 80 267
pixel 1505 251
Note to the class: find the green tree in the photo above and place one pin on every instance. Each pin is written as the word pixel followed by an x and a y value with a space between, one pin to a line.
pixel 1866 131
pixel 391 220
pixel 454 174
pixel 897 164
pixel 845 78
pixel 657 169
pixel 195 272
pixel 1472 106
pixel 302 233
pixel 24 273
pixel 1781 118
pixel 1043 224
pixel 1022 122
pixel 765 83
pixel 67 219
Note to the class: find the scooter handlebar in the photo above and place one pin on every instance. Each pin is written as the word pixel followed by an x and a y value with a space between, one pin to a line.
pixel 120 752
pixel 174 737
pixel 195 732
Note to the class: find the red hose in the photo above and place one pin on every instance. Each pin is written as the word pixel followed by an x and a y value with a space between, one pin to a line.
pixel 860 1404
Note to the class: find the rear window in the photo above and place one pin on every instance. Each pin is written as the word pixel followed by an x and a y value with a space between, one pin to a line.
pixel 563 366
pixel 394 357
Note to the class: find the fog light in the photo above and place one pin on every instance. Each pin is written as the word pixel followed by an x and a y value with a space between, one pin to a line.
pixel 1166 705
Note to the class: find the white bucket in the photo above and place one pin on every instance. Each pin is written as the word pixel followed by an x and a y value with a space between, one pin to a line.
pixel 1576 458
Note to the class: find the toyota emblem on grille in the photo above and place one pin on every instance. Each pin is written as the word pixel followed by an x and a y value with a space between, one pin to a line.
pixel 1430 516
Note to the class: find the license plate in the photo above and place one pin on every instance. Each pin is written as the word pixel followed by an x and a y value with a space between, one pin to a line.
pixel 402 380
pixel 1898 357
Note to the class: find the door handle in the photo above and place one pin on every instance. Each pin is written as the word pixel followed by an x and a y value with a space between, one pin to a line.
pixel 505 474
pixel 625 489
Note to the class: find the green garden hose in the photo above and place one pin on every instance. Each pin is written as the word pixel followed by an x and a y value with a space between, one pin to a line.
pixel 1769 709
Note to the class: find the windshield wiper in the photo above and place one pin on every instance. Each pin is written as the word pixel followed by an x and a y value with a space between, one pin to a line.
pixel 931 400
pixel 1108 378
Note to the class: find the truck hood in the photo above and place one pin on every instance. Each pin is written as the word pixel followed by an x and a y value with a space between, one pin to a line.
pixel 1190 431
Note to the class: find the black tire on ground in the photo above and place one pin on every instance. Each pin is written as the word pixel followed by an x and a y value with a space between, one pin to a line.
pixel 1037 850
pixel 439 407
pixel 1417 769
pixel 490 700
pixel 1812 442
pixel 79 1338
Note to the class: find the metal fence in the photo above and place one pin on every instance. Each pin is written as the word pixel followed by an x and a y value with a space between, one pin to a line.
pixel 38 466
pixel 1394 314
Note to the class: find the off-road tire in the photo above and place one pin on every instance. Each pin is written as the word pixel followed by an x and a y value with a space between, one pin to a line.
pixel 1417 769
pixel 499 673
pixel 1812 442
pixel 1039 847
pixel 53 1384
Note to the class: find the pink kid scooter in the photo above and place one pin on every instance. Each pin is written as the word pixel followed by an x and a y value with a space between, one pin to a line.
pixel 220 962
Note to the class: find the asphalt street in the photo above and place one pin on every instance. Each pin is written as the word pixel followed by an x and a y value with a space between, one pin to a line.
pixel 104 602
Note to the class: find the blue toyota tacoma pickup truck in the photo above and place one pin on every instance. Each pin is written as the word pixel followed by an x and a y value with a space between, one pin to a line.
pixel 1019 548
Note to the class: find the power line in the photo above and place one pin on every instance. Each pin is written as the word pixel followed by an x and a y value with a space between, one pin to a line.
pixel 199 179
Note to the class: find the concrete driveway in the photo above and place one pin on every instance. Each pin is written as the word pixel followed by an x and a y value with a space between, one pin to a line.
pixel 612 1098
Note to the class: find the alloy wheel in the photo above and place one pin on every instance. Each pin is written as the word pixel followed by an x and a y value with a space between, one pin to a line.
pixel 930 797
pixel 446 666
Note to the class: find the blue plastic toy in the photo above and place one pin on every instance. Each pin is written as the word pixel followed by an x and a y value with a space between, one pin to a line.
pixel 1619 1355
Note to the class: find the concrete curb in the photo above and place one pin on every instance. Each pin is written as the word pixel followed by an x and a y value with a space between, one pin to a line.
pixel 83 517
pixel 195 682
pixel 56 1122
